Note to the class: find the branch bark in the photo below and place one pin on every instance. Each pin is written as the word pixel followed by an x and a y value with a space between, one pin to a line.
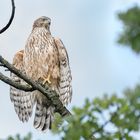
pixel 15 84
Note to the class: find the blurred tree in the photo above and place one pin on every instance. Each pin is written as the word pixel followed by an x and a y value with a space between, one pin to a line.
pixel 18 137
pixel 130 35
pixel 107 118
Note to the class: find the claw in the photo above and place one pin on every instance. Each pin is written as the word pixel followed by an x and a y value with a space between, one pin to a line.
pixel 47 80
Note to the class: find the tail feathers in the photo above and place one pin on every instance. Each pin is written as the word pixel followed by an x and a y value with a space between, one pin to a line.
pixel 44 116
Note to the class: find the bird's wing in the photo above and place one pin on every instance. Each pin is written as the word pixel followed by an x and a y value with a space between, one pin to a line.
pixel 23 101
pixel 65 86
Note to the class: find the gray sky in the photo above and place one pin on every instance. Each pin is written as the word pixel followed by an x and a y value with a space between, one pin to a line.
pixel 89 29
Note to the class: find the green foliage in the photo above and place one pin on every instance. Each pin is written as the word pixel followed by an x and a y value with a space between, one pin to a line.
pixel 130 35
pixel 108 118
pixel 18 137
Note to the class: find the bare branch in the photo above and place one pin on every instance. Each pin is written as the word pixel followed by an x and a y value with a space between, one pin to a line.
pixel 15 84
pixel 11 18
pixel 52 97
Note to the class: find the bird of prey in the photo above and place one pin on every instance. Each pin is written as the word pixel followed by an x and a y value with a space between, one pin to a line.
pixel 45 60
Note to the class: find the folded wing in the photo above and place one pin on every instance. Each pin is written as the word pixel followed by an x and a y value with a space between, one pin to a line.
pixel 65 86
pixel 23 101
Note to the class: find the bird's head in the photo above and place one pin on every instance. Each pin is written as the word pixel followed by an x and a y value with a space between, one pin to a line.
pixel 42 22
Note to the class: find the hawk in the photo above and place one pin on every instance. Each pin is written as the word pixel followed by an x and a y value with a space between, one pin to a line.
pixel 44 60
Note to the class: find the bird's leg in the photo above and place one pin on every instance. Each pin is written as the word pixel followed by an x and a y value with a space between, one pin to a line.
pixel 47 80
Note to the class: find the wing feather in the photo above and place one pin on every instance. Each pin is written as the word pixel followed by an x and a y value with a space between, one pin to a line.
pixel 23 101
pixel 65 86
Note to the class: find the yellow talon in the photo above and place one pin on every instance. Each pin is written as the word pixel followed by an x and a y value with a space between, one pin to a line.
pixel 47 80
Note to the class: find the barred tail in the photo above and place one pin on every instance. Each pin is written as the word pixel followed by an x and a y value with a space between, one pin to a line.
pixel 43 117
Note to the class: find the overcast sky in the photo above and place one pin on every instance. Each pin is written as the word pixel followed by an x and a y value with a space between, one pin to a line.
pixel 89 30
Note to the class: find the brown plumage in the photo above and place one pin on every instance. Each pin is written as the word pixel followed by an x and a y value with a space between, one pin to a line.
pixel 45 60
pixel 23 101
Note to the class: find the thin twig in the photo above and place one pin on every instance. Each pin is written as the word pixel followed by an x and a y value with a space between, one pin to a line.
pixel 6 70
pixel 11 18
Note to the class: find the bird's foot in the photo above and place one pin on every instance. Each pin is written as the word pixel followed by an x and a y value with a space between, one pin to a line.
pixel 47 80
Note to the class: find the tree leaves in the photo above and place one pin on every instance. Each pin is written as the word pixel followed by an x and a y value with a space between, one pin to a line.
pixel 18 137
pixel 130 35
pixel 108 118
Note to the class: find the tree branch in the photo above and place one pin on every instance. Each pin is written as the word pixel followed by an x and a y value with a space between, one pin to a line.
pixel 52 97
pixel 15 84
pixel 11 18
